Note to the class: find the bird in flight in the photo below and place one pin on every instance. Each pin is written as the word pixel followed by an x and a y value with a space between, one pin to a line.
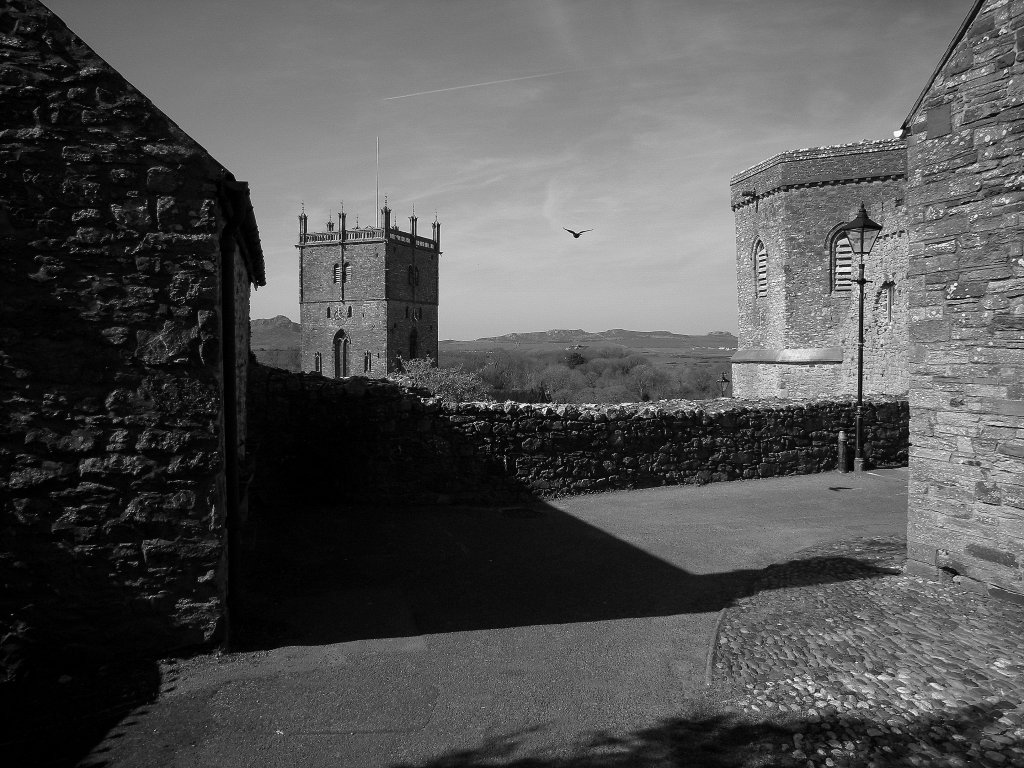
pixel 576 234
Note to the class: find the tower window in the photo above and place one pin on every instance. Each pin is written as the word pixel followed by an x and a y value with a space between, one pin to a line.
pixel 347 275
pixel 841 257
pixel 328 310
pixel 337 273
pixel 760 269
pixel 349 313
pixel 407 312
pixel 886 299
pixel 367 361
pixel 410 275
pixel 318 363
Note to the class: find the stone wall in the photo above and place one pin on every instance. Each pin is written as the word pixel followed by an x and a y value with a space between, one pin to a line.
pixel 800 340
pixel 965 202
pixel 418 448
pixel 115 241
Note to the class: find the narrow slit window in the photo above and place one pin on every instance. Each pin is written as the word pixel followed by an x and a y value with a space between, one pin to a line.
pixel 349 312
pixel 886 299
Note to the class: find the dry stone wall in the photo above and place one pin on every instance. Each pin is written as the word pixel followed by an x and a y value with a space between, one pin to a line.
pixel 359 438
pixel 965 201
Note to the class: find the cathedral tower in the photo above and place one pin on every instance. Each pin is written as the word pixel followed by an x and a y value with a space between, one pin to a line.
pixel 367 296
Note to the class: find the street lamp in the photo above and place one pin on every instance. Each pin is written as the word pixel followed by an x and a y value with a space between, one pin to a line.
pixel 861 232
pixel 723 383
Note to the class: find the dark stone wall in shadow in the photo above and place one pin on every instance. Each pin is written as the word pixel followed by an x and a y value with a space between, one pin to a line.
pixel 358 439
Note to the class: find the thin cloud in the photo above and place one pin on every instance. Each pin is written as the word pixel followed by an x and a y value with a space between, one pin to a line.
pixel 481 85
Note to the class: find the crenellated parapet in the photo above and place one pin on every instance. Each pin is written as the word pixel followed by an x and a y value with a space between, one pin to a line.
pixel 333 234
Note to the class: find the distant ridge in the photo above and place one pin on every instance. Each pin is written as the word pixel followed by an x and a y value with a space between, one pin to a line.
pixel 275 342
pixel 618 335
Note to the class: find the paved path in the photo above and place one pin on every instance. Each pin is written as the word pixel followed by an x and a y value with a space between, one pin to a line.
pixel 574 632
pixel 886 669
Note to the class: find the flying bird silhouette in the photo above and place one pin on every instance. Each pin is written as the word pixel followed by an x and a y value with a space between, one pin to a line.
pixel 576 234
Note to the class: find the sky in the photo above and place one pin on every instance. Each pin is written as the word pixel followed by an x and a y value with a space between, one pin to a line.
pixel 512 119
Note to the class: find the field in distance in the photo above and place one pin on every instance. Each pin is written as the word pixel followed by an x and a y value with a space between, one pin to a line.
pixel 617 365
pixel 661 348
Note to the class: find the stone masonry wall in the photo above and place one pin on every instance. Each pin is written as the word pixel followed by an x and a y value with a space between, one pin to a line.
pixel 965 202
pixel 111 478
pixel 800 340
pixel 385 306
pixel 418 448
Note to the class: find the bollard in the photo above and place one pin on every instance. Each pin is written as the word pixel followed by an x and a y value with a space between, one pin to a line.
pixel 843 461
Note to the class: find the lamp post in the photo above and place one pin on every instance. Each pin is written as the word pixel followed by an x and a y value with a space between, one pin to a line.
pixel 861 233
pixel 723 383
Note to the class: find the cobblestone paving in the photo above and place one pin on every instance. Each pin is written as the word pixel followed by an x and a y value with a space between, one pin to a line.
pixel 863 665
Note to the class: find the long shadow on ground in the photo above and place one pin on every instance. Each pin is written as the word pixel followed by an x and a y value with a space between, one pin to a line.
pixel 323 576
pixel 57 723
pixel 723 740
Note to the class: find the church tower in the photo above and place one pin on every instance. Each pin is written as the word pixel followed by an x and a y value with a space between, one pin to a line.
pixel 367 296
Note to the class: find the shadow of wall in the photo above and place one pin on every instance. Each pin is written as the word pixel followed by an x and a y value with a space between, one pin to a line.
pixel 378 512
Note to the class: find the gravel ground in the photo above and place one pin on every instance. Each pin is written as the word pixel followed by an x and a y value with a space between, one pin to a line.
pixel 859 664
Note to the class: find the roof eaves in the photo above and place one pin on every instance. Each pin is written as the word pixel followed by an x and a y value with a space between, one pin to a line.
pixel 242 218
pixel 945 57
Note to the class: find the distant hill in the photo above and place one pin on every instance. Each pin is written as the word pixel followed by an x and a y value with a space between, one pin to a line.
pixel 275 342
pixel 662 348
pixel 616 336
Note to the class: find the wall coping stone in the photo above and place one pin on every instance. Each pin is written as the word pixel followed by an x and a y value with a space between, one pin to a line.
pixel 794 356
pixel 813 153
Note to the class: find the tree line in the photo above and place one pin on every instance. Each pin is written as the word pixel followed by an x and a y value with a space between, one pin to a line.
pixel 598 375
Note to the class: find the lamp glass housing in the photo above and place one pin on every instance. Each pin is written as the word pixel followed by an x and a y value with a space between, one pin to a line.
pixel 862 233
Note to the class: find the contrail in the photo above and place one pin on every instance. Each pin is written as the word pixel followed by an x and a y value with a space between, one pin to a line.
pixel 479 85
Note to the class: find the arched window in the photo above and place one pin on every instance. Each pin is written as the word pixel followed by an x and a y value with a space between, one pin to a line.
pixel 410 275
pixel 349 312
pixel 840 263
pixel 318 363
pixel 328 310
pixel 367 362
pixel 347 276
pixel 337 273
pixel 760 270
pixel 340 355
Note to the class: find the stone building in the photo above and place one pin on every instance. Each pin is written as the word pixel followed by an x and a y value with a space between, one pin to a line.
pixel 965 202
pixel 126 258
pixel 798 303
pixel 367 296
pixel 945 311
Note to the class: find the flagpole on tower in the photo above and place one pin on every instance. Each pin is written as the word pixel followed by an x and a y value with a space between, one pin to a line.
pixel 377 206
